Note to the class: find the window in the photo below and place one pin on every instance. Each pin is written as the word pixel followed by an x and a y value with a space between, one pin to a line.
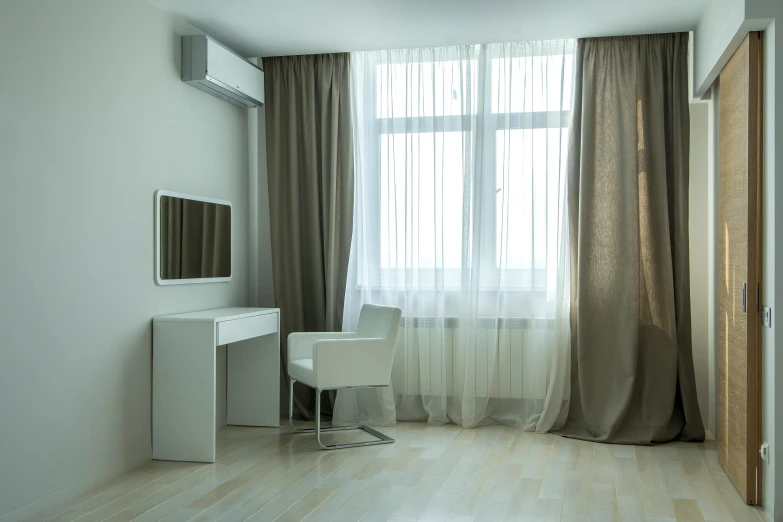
pixel 421 200
pixel 466 160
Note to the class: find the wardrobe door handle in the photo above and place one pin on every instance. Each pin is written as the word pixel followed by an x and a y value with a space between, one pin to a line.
pixel 744 297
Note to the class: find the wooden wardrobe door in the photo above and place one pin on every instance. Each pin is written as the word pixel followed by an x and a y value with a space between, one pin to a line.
pixel 739 274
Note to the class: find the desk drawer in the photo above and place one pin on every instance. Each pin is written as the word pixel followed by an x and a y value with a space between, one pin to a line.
pixel 249 327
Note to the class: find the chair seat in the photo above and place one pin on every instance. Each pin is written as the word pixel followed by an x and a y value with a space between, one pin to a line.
pixel 302 370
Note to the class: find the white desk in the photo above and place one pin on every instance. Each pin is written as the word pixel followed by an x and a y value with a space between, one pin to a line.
pixel 183 377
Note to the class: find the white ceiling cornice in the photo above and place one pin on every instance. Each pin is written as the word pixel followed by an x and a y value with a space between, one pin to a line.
pixel 284 27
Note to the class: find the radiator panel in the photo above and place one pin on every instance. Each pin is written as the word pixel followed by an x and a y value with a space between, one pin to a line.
pixel 503 359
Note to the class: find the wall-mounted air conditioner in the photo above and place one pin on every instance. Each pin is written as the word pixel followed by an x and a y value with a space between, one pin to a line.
pixel 210 67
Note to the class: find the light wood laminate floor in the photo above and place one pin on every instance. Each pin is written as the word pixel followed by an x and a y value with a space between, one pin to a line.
pixel 444 473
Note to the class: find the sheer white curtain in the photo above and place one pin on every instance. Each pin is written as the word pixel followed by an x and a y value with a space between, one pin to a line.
pixel 460 220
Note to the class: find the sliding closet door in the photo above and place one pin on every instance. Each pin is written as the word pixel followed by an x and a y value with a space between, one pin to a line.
pixel 739 219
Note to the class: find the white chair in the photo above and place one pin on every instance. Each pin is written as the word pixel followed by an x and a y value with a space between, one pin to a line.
pixel 331 361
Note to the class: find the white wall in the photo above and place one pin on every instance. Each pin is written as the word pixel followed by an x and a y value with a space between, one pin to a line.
pixel 721 29
pixel 94 120
pixel 772 256
pixel 260 244
pixel 703 219
pixel 703 216
pixel 699 255
pixel 715 39
pixel 713 161
pixel 264 293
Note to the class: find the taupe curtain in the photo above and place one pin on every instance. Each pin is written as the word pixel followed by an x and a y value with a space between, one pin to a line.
pixel 310 171
pixel 632 367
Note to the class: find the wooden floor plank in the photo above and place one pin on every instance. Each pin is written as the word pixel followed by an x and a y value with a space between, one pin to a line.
pixel 711 505
pixel 677 484
pixel 628 487
pixel 524 501
pixel 430 474
pixel 478 488
pixel 656 497
pixel 536 461
pixel 307 505
pixel 603 502
pixel 577 494
pixel 686 510
pixel 337 500
pixel 102 494
pixel 603 463
pixel 420 497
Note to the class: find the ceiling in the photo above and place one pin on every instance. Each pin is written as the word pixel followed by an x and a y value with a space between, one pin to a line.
pixel 284 27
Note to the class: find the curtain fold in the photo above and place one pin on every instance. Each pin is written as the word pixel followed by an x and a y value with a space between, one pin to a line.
pixel 631 365
pixel 460 221
pixel 311 190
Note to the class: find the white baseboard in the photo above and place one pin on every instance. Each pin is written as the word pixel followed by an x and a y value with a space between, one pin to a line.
pixel 72 490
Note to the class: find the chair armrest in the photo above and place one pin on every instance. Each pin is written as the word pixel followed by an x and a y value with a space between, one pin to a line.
pixel 300 344
pixel 352 362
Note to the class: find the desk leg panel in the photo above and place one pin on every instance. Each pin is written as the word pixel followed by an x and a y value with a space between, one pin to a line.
pixel 183 391
pixel 253 381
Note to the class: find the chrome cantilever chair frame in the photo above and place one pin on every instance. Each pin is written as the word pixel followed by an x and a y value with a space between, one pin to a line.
pixel 382 438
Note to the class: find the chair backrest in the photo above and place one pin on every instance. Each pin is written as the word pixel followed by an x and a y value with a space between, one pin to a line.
pixel 379 322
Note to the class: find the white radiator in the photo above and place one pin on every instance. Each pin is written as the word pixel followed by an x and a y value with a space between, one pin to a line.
pixel 499 358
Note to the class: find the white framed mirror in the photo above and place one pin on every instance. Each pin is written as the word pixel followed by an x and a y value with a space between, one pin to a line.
pixel 193 239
